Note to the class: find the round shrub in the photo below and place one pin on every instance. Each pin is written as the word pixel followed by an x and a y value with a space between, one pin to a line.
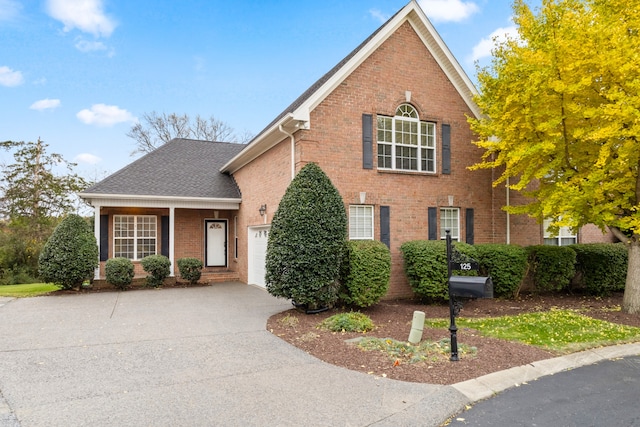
pixel 425 264
pixel 307 241
pixel 119 272
pixel 551 267
pixel 158 267
pixel 506 264
pixel 190 269
pixel 365 272
pixel 70 256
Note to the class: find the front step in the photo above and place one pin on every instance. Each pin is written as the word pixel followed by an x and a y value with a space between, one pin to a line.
pixel 219 276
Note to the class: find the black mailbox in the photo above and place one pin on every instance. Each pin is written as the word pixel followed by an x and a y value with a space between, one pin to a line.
pixel 471 287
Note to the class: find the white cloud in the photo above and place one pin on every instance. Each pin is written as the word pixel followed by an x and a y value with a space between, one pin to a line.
pixel 8 77
pixel 378 15
pixel 448 10
pixel 87 158
pixel 104 115
pixel 85 15
pixel 88 46
pixel 485 46
pixel 9 10
pixel 45 104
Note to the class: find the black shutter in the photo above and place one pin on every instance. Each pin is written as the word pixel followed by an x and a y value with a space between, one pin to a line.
pixel 367 141
pixel 104 237
pixel 468 221
pixel 385 227
pixel 446 149
pixel 164 233
pixel 433 223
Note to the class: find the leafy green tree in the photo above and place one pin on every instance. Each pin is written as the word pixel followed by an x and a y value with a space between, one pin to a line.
pixel 70 256
pixel 560 118
pixel 307 241
pixel 35 192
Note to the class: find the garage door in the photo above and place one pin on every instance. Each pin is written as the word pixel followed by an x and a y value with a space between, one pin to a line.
pixel 257 250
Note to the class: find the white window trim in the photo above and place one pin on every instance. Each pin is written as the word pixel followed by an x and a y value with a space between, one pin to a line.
pixel 455 231
pixel 563 233
pixel 362 208
pixel 135 235
pixel 419 147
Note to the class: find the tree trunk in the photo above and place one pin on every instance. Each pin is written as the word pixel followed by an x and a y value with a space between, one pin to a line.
pixel 631 299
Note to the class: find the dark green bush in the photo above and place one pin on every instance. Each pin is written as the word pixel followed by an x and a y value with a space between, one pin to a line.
pixel 601 267
pixel 365 272
pixel 158 267
pixel 425 264
pixel 506 264
pixel 551 267
pixel 70 256
pixel 119 272
pixel 190 269
pixel 307 241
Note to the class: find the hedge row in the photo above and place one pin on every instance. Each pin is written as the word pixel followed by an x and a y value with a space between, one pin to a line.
pixel 597 269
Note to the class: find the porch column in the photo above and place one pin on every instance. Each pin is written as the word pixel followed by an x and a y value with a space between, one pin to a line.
pixel 172 256
pixel 96 232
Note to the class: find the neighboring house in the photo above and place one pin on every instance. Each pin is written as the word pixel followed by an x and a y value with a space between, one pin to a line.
pixel 388 125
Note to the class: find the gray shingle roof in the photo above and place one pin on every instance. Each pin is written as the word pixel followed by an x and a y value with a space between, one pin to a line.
pixel 179 168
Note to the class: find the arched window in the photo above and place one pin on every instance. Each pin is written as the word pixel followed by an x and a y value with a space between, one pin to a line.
pixel 405 142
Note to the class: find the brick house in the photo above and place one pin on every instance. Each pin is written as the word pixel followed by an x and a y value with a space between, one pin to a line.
pixel 388 125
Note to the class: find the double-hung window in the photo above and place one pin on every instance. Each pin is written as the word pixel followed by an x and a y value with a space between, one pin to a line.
pixel 135 236
pixel 564 236
pixel 405 142
pixel 450 220
pixel 360 222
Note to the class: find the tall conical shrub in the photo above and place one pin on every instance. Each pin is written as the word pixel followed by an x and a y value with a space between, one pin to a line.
pixel 70 256
pixel 307 241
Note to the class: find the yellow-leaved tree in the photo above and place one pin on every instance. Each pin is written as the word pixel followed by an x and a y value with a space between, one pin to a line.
pixel 561 118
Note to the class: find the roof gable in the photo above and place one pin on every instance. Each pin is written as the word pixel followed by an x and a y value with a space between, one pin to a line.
pixel 184 168
pixel 297 115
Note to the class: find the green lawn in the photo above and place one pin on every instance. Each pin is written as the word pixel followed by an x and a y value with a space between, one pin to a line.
pixel 560 331
pixel 29 290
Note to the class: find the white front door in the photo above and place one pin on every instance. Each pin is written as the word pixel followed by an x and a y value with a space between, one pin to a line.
pixel 216 243
pixel 258 238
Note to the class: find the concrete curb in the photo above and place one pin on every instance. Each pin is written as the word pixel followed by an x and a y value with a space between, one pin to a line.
pixel 488 385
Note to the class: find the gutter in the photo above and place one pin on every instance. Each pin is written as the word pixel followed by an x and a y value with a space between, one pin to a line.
pixel 293 150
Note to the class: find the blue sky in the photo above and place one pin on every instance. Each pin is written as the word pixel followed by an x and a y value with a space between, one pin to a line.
pixel 78 73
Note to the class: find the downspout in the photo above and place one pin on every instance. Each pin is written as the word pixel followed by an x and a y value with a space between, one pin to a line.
pixel 293 151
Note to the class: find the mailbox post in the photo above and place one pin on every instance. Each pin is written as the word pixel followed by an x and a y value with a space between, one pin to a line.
pixel 462 287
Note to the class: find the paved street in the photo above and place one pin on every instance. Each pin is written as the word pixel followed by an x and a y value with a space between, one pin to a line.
pixel 602 394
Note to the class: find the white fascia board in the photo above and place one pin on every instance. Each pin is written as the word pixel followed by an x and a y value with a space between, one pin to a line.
pixel 129 200
pixel 265 141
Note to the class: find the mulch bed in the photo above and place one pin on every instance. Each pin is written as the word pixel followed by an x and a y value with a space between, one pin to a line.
pixel 393 320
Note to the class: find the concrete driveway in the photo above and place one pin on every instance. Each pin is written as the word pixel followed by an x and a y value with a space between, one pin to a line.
pixel 185 357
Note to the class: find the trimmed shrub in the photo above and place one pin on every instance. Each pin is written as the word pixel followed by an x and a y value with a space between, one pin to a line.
pixel 425 264
pixel 307 241
pixel 119 272
pixel 190 269
pixel 601 267
pixel 158 267
pixel 551 267
pixel 70 256
pixel 365 272
pixel 506 264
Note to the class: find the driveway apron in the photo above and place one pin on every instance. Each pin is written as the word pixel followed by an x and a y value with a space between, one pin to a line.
pixel 185 357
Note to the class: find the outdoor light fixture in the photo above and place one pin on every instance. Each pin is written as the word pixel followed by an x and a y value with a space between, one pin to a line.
pixel 262 210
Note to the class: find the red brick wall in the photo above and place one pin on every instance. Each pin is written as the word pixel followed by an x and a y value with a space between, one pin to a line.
pixel 334 141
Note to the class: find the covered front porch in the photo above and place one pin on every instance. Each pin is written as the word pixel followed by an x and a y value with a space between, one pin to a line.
pixel 197 228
